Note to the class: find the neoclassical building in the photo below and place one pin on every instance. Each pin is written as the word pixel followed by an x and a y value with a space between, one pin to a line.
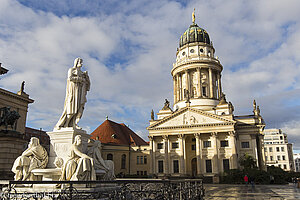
pixel 200 135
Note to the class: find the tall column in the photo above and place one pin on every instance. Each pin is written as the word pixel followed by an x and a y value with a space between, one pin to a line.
pixel 174 89
pixel 187 85
pixel 232 144
pixel 199 89
pixel 166 145
pixel 219 86
pixel 182 168
pixel 215 160
pixel 211 89
pixel 152 155
pixel 198 153
pixel 178 88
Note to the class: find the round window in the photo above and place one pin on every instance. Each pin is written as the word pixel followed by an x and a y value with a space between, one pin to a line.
pixel 183 53
pixel 192 50
pixel 201 50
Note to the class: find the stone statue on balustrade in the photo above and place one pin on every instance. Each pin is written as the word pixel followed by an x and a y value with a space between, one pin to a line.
pixel 34 157
pixel 79 166
pixel 78 83
pixel 105 167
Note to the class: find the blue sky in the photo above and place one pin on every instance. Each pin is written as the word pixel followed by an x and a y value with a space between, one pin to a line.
pixel 128 47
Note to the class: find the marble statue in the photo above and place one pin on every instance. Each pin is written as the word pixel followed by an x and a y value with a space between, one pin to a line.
pixel 78 83
pixel 79 166
pixel 100 164
pixel 34 157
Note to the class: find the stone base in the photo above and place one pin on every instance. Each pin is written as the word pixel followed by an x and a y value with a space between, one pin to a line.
pixel 61 141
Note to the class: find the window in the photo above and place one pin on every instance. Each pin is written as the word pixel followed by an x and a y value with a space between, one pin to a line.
pixel 224 143
pixel 145 159
pixel 271 158
pixel 174 145
pixel 279 166
pixel 145 173
pixel 245 145
pixel 270 149
pixel 193 147
pixel 277 149
pixel 137 160
pixel 201 50
pixel 208 166
pixel 226 164
pixel 284 166
pixel 278 157
pixel 204 91
pixel 141 159
pixel 206 144
pixel 160 166
pixel 192 50
pixel 266 149
pixel 123 161
pixel 281 137
pixel 175 166
pixel 266 158
pixel 282 149
pixel 110 156
pixel 283 157
pixel 138 173
pixel 159 145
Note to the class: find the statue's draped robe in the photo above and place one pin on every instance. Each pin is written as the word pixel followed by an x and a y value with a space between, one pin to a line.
pixel 35 157
pixel 77 86
pixel 78 168
pixel 100 164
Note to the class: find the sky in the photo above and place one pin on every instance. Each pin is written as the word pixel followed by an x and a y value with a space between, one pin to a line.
pixel 128 48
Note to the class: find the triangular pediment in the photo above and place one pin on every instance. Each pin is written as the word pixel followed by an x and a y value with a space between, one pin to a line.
pixel 190 117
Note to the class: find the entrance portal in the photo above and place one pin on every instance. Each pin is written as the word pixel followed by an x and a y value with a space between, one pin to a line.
pixel 194 167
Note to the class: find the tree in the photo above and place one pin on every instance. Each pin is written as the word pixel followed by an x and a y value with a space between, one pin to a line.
pixel 247 162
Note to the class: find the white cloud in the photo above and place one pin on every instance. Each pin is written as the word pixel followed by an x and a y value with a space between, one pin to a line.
pixel 129 47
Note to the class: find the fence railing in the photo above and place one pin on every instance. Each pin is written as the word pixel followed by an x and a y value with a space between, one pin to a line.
pixel 125 189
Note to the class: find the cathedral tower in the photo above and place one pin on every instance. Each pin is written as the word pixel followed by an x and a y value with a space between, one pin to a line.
pixel 196 72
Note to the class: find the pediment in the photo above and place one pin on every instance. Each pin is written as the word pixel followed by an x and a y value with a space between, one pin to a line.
pixel 190 117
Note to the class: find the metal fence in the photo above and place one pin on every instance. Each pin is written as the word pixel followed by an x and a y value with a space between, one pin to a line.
pixel 123 189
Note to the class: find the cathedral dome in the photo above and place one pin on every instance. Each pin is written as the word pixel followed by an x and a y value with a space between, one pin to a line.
pixel 194 34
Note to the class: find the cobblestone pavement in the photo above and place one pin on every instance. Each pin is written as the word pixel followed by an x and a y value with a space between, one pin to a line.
pixel 247 192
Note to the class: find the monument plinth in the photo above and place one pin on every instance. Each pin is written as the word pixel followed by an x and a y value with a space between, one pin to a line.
pixel 61 142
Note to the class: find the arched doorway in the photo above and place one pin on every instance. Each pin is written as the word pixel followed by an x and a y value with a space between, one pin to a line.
pixel 194 167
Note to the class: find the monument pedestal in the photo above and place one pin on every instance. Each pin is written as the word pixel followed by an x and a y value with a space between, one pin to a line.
pixel 61 142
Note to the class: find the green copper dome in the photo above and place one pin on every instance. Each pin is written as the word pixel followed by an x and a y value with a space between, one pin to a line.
pixel 194 34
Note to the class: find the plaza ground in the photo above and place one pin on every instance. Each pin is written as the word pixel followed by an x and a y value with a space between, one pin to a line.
pixel 247 192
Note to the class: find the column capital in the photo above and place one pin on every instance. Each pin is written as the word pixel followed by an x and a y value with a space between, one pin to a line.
pixel 165 137
pixel 180 136
pixel 213 134
pixel 197 135
pixel 151 138
pixel 232 133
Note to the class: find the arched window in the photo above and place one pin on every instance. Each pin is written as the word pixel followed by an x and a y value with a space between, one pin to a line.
pixel 123 161
pixel 110 156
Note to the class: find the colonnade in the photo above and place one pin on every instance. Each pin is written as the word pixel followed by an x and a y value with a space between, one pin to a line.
pixel 215 157
pixel 212 90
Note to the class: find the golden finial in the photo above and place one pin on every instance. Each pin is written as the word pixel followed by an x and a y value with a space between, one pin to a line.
pixel 193 16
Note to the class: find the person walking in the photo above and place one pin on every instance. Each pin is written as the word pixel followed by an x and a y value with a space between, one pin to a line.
pixel 246 179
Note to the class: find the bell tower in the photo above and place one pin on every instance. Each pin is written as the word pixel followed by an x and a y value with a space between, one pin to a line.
pixel 196 72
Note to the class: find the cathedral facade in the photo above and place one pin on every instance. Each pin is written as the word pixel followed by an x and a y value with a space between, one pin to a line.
pixel 200 135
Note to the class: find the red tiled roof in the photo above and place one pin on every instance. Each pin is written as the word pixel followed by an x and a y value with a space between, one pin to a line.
pixel 110 132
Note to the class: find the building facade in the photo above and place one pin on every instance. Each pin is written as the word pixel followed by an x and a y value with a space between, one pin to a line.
pixel 278 151
pixel 200 135
pixel 129 152
pixel 297 162
pixel 12 141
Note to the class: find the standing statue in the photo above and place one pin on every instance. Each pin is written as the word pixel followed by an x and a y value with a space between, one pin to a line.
pixel 34 157
pixel 78 83
pixel 106 165
pixel 79 167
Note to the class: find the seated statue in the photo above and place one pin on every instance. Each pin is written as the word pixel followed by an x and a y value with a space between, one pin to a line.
pixel 79 167
pixel 34 157
pixel 100 164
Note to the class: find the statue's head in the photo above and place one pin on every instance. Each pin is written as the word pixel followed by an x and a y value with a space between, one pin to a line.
pixel 77 62
pixel 77 140
pixel 34 142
